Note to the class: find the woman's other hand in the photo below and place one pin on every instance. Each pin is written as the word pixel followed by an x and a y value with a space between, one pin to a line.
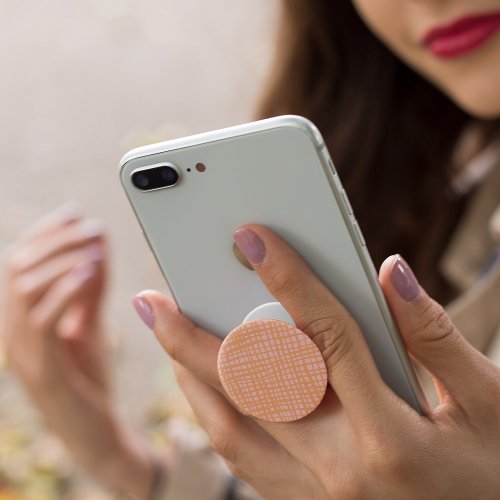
pixel 362 441
pixel 51 327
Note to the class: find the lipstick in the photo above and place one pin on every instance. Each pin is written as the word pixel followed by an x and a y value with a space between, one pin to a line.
pixel 461 36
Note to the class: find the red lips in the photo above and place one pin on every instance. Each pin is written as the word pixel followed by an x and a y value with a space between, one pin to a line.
pixel 462 36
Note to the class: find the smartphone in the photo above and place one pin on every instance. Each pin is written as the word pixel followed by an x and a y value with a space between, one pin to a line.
pixel 191 194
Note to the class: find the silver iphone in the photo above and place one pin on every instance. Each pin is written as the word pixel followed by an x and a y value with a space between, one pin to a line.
pixel 190 194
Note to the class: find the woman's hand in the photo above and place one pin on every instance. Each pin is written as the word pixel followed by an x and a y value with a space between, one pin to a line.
pixel 362 441
pixel 52 331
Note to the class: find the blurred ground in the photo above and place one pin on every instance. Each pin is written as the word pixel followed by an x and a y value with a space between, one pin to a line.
pixel 82 82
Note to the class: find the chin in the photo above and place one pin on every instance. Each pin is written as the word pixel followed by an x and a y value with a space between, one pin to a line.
pixel 476 87
pixel 472 83
pixel 480 105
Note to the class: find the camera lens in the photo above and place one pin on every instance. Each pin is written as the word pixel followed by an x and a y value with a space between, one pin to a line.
pixel 142 180
pixel 156 177
pixel 169 175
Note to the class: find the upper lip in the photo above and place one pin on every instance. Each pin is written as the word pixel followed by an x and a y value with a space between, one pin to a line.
pixel 458 26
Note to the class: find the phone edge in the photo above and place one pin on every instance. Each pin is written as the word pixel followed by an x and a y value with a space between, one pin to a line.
pixel 420 401
pixel 295 121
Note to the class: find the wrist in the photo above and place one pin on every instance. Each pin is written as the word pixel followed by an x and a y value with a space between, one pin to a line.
pixel 161 470
pixel 133 469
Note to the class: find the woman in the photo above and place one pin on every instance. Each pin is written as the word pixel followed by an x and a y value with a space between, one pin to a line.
pixel 410 113
pixel 406 105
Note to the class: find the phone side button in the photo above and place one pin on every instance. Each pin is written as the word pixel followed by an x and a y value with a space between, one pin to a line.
pixel 358 232
pixel 336 181
pixel 346 201
pixel 336 178
pixel 332 167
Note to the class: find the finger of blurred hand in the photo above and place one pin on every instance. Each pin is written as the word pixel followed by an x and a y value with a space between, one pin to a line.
pixel 352 371
pixel 254 455
pixel 91 300
pixel 433 339
pixel 68 213
pixel 29 254
pixel 30 335
pixel 31 285
pixel 47 312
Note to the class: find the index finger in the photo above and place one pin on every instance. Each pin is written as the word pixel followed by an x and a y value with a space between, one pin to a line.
pixel 315 310
pixel 65 214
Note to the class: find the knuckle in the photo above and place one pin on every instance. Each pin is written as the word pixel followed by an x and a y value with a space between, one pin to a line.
pixel 280 281
pixel 175 335
pixel 485 402
pixel 494 409
pixel 32 374
pixel 494 383
pixel 386 459
pixel 275 482
pixel 331 336
pixel 444 326
pixel 347 486
pixel 15 262
pixel 223 443
pixel 174 348
pixel 37 323
pixel 235 470
pixel 182 376
pixel 434 325
pixel 24 290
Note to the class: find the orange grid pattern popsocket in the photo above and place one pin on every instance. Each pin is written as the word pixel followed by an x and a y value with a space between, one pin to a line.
pixel 272 370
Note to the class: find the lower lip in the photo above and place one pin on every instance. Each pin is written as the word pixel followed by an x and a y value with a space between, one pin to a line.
pixel 448 47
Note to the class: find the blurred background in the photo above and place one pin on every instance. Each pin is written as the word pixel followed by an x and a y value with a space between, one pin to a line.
pixel 83 82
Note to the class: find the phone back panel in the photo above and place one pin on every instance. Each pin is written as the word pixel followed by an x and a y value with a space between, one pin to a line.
pixel 277 173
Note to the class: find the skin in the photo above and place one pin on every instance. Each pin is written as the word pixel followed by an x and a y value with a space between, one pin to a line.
pixel 471 80
pixel 362 441
pixel 52 331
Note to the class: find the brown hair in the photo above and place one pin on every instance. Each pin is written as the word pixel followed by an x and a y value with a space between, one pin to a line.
pixel 391 133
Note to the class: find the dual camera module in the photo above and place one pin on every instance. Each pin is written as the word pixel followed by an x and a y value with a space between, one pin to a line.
pixel 156 177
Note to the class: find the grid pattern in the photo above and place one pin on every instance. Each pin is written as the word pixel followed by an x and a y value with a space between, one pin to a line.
pixel 272 370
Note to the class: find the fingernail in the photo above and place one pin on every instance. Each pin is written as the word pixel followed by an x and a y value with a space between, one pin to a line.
pixel 404 280
pixel 69 212
pixel 92 228
pixel 95 252
pixel 83 272
pixel 250 244
pixel 144 310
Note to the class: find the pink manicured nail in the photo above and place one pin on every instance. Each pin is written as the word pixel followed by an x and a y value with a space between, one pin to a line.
pixel 83 272
pixel 92 228
pixel 250 244
pixel 95 252
pixel 144 310
pixel 404 280
pixel 69 212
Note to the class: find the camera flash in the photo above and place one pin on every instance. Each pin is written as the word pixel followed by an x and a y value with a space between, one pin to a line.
pixel 201 167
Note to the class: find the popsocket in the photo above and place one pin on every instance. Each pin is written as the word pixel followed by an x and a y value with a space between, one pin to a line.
pixel 270 369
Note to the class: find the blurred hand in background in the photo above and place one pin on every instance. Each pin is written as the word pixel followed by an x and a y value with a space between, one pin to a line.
pixel 53 335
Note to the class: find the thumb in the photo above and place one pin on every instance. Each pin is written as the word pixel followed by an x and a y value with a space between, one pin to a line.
pixel 429 333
